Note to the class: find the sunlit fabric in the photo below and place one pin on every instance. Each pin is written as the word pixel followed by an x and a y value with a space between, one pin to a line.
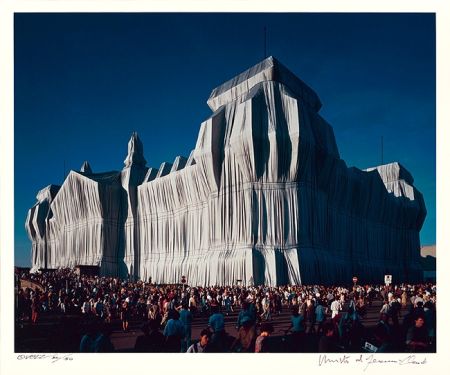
pixel 263 198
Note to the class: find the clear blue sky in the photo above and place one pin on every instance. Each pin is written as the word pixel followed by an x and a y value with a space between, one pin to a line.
pixel 85 82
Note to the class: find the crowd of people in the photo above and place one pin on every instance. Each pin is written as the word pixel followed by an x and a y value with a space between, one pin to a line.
pixel 322 318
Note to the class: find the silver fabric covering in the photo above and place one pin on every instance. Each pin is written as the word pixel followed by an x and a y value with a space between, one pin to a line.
pixel 263 198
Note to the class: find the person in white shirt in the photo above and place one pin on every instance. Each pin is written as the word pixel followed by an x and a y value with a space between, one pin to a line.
pixel 192 304
pixel 385 308
pixel 418 298
pixel 86 308
pixel 200 346
pixel 335 307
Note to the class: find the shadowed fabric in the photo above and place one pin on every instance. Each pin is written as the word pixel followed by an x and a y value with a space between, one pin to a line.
pixel 264 198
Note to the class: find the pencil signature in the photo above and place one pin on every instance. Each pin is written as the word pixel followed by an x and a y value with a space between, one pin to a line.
pixel 53 358
pixel 369 360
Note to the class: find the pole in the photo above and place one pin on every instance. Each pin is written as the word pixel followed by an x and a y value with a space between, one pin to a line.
pixel 382 161
pixel 265 42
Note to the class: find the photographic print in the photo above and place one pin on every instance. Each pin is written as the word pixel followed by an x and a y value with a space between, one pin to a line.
pixel 226 183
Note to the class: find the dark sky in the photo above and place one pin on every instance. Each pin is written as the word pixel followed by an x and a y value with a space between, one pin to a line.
pixel 85 82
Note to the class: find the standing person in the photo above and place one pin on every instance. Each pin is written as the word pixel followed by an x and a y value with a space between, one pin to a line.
pixel 335 307
pixel 35 309
pixel 154 313
pixel 186 319
pixel 266 315
pixel 385 307
pixel 174 332
pixel 330 297
pixel 261 343
pixel 302 307
pixel 252 310
pixel 404 299
pixel 418 299
pixel 98 307
pixel 310 315
pixel 43 301
pixel 320 312
pixel 91 304
pixel 107 311
pixel 201 345
pixel 141 309
pixel 394 311
pixel 125 315
pixel 297 327
pixel 204 304
pixel 227 302
pixel 361 307
pixel 61 303
pixel 193 304
pixel 86 308
pixel 278 303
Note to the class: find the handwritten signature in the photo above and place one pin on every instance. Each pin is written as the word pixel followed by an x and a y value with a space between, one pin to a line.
pixel 53 358
pixel 368 360
pixel 323 360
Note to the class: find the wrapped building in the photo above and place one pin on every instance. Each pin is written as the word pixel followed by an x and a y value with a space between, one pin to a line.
pixel 264 198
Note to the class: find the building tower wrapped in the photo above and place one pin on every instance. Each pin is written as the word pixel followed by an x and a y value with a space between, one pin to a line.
pixel 264 198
